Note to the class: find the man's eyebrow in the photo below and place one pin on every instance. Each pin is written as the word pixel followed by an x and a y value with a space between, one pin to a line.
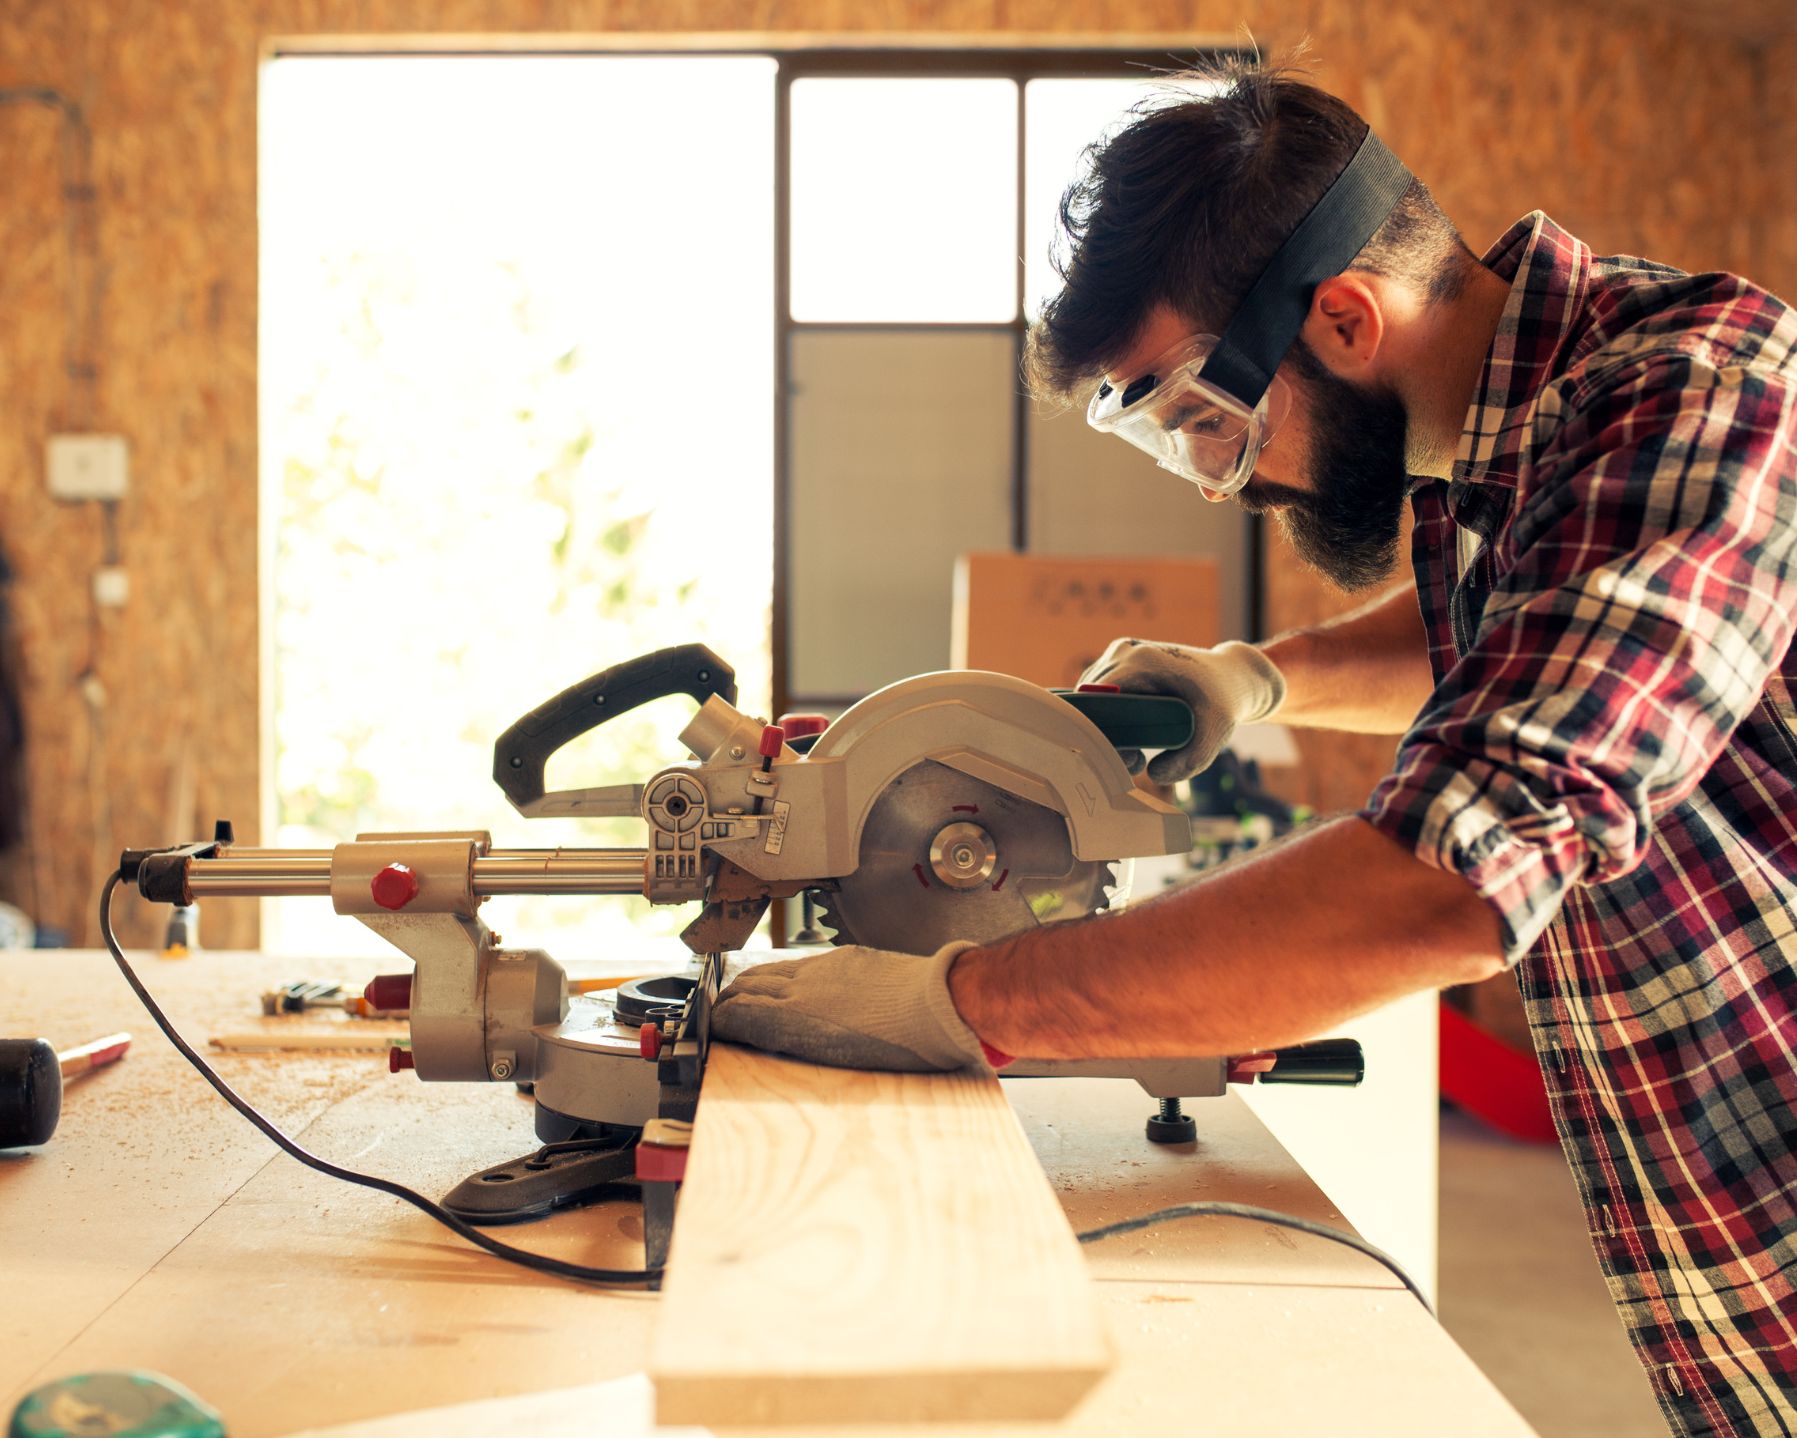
pixel 1178 417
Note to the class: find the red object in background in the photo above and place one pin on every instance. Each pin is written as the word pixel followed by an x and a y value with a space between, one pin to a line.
pixel 1099 689
pixel 1495 1083
pixel 394 887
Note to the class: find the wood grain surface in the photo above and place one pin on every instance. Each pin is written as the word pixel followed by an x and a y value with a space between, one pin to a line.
pixel 158 1230
pixel 859 1246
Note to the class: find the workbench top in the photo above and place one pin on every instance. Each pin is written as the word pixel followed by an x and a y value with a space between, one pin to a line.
pixel 158 1230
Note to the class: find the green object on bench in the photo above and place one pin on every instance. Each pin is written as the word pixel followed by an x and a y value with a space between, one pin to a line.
pixel 114 1405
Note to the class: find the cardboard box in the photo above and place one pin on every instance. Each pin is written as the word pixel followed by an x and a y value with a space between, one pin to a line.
pixel 1045 618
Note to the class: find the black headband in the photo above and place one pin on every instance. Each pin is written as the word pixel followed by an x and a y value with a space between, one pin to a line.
pixel 1336 229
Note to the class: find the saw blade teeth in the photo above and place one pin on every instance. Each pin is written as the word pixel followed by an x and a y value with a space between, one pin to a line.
pixel 1117 889
pixel 829 923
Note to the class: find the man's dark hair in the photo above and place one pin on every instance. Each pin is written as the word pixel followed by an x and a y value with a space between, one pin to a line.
pixel 1187 202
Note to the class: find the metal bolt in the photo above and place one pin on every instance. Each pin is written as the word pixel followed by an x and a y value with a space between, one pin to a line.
pixel 502 1069
pixel 737 751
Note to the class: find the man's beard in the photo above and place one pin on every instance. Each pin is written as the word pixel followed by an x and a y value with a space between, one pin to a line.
pixel 1346 525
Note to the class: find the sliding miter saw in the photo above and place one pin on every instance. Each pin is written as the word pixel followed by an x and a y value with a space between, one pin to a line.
pixel 957 805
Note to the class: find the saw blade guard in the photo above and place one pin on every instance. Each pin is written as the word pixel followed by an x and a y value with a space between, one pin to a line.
pixel 1005 732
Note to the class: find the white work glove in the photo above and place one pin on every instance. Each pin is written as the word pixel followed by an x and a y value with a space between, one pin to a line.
pixel 853 1008
pixel 1226 686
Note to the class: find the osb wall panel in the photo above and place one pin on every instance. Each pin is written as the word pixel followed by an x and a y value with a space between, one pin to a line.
pixel 1776 258
pixel 1629 132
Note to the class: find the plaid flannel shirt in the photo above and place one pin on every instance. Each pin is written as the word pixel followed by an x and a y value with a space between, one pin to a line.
pixel 1609 584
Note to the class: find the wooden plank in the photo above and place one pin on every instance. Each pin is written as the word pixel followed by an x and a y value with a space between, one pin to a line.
pixel 855 1247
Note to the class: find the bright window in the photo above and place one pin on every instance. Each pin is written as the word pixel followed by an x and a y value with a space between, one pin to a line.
pixel 517 354
pixel 904 199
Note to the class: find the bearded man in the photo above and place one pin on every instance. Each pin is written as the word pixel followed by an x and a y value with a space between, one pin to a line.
pixel 1596 779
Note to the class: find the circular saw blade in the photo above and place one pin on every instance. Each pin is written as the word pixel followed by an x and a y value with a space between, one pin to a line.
pixel 896 900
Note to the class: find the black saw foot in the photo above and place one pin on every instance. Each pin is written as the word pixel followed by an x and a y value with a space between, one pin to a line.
pixel 552 1177
pixel 1170 1125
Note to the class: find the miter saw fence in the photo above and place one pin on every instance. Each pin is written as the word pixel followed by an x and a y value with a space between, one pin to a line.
pixel 957 805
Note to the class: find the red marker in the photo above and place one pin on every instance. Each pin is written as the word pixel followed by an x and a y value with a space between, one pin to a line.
pixel 98 1054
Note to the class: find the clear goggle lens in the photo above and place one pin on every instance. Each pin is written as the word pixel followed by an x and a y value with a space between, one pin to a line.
pixel 1197 430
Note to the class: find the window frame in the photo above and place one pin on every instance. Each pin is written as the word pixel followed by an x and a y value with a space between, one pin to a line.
pixel 1020 65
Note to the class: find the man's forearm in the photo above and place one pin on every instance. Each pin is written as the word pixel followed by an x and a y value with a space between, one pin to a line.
pixel 1271 950
pixel 1366 672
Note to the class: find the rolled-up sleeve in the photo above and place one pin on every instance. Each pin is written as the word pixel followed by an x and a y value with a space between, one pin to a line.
pixel 1645 592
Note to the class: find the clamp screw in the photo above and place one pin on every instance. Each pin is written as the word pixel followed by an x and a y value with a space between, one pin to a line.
pixel 502 1069
pixel 394 886
pixel 648 1041
pixel 389 992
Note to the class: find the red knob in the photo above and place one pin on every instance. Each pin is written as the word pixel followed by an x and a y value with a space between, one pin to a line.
pixel 389 992
pixel 398 1058
pixel 1099 689
pixel 648 1041
pixel 395 886
pixel 803 726
pixel 773 740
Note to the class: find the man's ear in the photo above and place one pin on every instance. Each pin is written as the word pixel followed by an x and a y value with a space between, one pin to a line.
pixel 1346 324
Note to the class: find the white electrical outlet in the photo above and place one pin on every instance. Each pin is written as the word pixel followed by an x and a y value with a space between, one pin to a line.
pixel 112 587
pixel 87 466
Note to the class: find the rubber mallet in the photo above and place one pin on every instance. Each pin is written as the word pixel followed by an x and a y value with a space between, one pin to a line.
pixel 31 1075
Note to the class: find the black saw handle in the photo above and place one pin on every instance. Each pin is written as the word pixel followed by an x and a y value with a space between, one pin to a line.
pixel 522 753
pixel 1321 1061
pixel 1135 721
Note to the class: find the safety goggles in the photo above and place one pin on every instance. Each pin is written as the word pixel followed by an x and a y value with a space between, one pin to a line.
pixel 1189 425
pixel 1207 407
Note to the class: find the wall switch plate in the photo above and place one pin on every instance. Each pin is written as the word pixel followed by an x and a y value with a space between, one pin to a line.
pixel 87 466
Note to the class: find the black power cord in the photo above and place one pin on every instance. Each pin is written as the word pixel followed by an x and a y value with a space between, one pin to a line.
pixel 1217 1209
pixel 523 1257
